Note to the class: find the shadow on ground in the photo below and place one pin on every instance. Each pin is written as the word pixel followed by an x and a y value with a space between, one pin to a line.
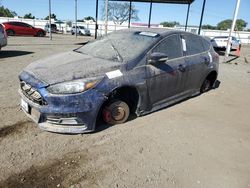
pixel 13 53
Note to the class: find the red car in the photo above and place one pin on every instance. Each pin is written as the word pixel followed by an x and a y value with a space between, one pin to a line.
pixel 21 28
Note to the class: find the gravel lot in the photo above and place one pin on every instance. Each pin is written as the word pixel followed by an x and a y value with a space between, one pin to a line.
pixel 200 142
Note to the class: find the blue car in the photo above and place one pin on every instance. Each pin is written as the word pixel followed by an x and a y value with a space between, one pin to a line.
pixel 133 71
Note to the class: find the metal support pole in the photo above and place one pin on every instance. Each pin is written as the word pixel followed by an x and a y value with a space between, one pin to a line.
pixel 129 16
pixel 96 18
pixel 150 11
pixel 202 13
pixel 106 16
pixel 232 28
pixel 50 33
pixel 76 18
pixel 187 17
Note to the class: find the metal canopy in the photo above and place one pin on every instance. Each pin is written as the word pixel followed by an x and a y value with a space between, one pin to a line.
pixel 188 2
pixel 161 1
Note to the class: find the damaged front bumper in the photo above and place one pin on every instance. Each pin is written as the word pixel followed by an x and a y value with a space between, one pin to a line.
pixel 71 114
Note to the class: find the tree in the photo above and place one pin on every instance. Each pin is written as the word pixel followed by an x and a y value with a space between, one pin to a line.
pixel 169 24
pixel 119 12
pixel 5 12
pixel 29 16
pixel 89 18
pixel 53 16
pixel 209 27
pixel 226 24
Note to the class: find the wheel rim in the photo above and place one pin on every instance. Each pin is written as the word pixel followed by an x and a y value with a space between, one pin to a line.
pixel 118 113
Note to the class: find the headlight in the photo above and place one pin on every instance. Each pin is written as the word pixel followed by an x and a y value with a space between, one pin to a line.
pixel 77 86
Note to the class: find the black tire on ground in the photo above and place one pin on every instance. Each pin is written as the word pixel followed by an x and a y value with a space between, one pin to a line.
pixel 72 33
pixel 40 34
pixel 10 32
pixel 115 112
pixel 206 86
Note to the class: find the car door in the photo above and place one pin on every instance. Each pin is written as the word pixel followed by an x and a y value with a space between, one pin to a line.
pixel 26 29
pixel 197 57
pixel 166 78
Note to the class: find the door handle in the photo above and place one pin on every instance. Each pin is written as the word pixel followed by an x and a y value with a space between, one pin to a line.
pixel 182 68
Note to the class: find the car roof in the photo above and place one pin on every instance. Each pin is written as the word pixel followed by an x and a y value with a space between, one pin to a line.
pixel 160 31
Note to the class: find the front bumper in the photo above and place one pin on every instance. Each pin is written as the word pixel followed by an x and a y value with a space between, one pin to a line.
pixel 56 117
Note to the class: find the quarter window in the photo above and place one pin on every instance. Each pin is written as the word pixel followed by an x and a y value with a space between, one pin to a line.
pixel 194 44
pixel 171 46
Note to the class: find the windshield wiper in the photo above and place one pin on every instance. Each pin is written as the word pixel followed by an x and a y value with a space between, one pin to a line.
pixel 119 57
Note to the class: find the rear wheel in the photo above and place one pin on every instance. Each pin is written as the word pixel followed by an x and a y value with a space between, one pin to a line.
pixel 10 32
pixel 206 86
pixel 116 112
pixel 40 34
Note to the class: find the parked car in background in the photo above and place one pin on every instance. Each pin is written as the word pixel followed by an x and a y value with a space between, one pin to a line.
pixel 53 28
pixel 220 42
pixel 20 28
pixel 133 71
pixel 3 37
pixel 80 30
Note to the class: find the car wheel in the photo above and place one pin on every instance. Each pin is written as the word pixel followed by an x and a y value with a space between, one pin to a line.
pixel 10 32
pixel 116 112
pixel 72 33
pixel 206 86
pixel 40 34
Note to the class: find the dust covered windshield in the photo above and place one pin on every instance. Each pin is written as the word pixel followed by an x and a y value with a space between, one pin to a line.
pixel 120 46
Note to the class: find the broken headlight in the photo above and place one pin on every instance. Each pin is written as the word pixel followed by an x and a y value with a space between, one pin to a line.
pixel 72 87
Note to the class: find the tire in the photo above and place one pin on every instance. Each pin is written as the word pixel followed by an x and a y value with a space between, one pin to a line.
pixel 115 112
pixel 40 34
pixel 10 32
pixel 206 86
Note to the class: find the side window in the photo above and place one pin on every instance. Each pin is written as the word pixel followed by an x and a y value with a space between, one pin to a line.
pixel 194 44
pixel 171 46
pixel 206 44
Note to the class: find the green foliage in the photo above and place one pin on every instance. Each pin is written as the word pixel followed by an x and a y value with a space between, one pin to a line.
pixel 169 24
pixel 29 16
pixel 226 24
pixel 89 18
pixel 5 12
pixel 119 12
pixel 209 27
pixel 53 16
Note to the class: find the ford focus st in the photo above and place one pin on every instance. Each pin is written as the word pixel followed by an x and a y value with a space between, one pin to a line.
pixel 126 72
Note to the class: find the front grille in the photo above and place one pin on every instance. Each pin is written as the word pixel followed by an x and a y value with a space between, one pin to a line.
pixel 31 93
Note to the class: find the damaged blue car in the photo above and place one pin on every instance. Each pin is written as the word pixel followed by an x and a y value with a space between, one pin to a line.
pixel 133 71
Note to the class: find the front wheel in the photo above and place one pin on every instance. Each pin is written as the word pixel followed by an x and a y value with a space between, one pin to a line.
pixel 116 112
pixel 40 34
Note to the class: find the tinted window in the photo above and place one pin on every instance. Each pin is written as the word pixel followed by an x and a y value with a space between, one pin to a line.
pixel 206 44
pixel 171 46
pixel 194 44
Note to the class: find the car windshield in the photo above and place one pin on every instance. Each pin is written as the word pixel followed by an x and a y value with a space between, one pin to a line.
pixel 81 27
pixel 120 46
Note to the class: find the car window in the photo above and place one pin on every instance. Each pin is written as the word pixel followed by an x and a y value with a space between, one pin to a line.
pixel 171 46
pixel 194 44
pixel 206 44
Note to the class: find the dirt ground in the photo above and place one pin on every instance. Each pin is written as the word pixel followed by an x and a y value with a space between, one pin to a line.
pixel 200 142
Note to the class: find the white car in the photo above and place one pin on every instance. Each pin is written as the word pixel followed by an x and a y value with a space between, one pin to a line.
pixel 80 30
pixel 3 37
pixel 221 42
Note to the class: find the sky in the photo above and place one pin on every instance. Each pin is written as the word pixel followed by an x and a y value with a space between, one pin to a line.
pixel 215 10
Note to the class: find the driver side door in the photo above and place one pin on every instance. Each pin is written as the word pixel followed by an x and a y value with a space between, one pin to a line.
pixel 166 78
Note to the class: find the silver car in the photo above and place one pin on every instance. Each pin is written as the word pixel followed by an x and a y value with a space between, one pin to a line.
pixel 221 42
pixel 80 30
pixel 3 37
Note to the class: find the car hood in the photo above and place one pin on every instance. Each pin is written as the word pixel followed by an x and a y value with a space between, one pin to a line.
pixel 69 66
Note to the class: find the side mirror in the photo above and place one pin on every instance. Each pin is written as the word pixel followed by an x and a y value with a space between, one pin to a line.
pixel 157 57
